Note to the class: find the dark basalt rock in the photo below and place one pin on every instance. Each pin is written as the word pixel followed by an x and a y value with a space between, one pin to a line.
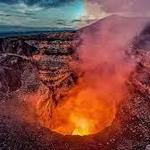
pixel 55 52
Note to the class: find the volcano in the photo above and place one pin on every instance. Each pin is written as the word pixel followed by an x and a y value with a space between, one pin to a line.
pixel 77 90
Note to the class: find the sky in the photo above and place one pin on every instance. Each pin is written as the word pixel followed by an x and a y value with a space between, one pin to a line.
pixel 66 13
pixel 40 13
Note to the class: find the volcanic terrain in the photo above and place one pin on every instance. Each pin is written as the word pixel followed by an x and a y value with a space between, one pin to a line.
pixel 39 74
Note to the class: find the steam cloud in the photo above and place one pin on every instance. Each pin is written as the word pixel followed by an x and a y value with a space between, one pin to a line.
pixel 106 68
pixel 103 53
pixel 134 8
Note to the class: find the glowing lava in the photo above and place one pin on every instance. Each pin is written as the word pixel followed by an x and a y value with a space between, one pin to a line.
pixel 88 108
pixel 82 126
pixel 83 113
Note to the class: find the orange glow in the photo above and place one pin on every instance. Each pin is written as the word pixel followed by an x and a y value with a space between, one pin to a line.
pixel 83 113
pixel 81 125
pixel 89 107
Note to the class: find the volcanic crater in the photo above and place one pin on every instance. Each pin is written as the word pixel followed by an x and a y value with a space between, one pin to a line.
pixel 53 97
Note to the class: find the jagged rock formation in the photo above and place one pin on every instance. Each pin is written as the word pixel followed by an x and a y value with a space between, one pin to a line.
pixel 50 54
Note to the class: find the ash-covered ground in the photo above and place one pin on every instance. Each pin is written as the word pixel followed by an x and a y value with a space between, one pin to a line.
pixel 29 62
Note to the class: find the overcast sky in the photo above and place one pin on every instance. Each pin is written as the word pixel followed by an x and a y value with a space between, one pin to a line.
pixel 67 13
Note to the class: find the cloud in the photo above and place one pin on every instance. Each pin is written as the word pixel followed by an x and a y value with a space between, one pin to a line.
pixel 38 14
pixel 43 3
pixel 123 7
pixel 23 8
pixel 92 13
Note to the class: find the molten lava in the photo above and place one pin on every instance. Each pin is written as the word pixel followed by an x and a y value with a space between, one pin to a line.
pixel 83 113
pixel 90 106
pixel 81 126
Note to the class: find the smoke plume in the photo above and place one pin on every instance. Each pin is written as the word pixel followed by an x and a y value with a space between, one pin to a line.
pixel 106 68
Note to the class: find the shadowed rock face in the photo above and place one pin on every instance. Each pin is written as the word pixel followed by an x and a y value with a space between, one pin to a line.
pixel 30 61
pixel 50 55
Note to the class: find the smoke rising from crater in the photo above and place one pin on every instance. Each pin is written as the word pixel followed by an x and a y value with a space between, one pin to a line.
pixel 106 69
pixel 103 53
